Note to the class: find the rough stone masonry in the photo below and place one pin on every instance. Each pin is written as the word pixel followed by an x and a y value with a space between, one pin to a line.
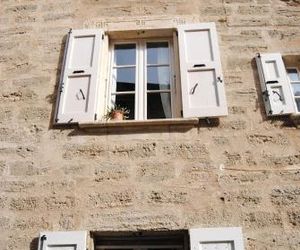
pixel 162 178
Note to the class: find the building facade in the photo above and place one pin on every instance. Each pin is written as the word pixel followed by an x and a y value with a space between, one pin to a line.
pixel 220 171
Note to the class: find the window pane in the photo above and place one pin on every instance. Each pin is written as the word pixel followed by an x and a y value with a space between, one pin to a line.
pixel 296 89
pixel 157 53
pixel 293 75
pixel 298 104
pixel 158 78
pixel 126 101
pixel 125 54
pixel 158 105
pixel 125 79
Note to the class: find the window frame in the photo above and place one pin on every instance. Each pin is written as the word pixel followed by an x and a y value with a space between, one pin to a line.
pixel 291 86
pixel 141 75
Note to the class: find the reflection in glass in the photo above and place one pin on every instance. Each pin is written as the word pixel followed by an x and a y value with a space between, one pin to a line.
pixel 125 54
pixel 158 105
pixel 298 104
pixel 158 78
pixel 125 79
pixel 296 89
pixel 293 75
pixel 126 101
pixel 157 53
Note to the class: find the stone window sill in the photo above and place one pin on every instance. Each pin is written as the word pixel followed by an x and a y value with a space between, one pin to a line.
pixel 134 123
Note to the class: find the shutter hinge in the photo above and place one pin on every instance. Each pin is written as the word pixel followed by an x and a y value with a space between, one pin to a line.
pixel 181 112
pixel 176 31
pixel 61 87
pixel 258 55
pixel 70 31
pixel 95 117
pixel 266 93
pixel 56 120
pixel 102 36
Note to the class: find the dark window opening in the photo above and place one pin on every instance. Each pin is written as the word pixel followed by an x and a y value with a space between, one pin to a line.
pixel 165 240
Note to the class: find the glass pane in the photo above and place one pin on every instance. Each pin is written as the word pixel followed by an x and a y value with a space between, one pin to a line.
pixel 157 53
pixel 125 78
pixel 158 78
pixel 126 101
pixel 158 105
pixel 298 104
pixel 296 89
pixel 125 54
pixel 293 75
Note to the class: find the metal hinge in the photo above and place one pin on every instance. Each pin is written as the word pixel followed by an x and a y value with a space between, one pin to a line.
pixel 181 112
pixel 95 117
pixel 61 87
pixel 176 32
pixel 102 36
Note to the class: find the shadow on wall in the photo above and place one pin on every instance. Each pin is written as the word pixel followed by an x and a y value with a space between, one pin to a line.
pixel 283 121
pixel 52 97
pixel 34 244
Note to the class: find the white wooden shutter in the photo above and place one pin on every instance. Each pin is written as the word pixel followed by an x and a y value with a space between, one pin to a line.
pixel 277 93
pixel 227 238
pixel 80 77
pixel 72 240
pixel 202 84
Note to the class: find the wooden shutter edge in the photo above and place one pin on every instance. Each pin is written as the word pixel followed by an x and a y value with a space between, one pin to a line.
pixel 63 65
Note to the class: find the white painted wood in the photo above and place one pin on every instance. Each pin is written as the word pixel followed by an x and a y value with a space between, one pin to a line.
pixel 277 92
pixel 226 238
pixel 202 84
pixel 72 240
pixel 80 78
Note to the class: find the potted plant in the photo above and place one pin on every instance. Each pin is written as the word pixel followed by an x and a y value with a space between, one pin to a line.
pixel 117 113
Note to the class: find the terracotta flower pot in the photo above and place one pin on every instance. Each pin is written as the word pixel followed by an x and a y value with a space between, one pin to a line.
pixel 117 116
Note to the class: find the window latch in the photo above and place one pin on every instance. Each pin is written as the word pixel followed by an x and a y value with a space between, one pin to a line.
pixel 199 65
pixel 194 88
pixel 271 82
pixel 78 71
pixel 219 79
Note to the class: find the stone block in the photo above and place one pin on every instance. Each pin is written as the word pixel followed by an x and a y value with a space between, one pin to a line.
pixel 167 196
pixel 27 203
pixel 112 199
pixel 111 171
pixel 186 150
pixel 154 171
pixel 286 196
pixel 262 219
pixel 60 202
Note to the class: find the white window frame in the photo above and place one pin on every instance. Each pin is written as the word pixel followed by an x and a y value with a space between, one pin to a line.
pixel 291 85
pixel 141 75
pixel 216 235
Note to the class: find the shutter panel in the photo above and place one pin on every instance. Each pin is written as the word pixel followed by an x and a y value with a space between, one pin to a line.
pixel 202 84
pixel 80 77
pixel 72 240
pixel 277 93
pixel 216 238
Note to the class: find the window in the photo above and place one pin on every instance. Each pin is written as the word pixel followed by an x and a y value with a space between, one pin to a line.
pixel 280 85
pixel 167 240
pixel 156 74
pixel 294 78
pixel 226 238
pixel 141 78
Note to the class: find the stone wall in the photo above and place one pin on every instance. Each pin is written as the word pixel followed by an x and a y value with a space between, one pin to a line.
pixel 243 170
